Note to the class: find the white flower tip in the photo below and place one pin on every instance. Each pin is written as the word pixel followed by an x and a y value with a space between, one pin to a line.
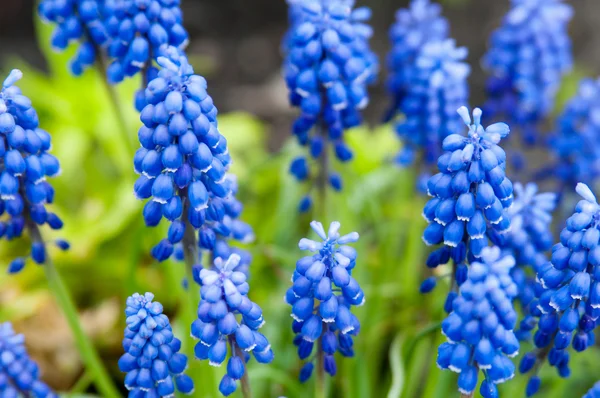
pixel 585 192
pixel 463 111
pixel 14 76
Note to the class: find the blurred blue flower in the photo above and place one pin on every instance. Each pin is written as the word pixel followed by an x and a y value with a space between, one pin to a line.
pixel 322 296
pixel 225 299
pixel 327 68
pixel 527 58
pixel 412 29
pixel 594 392
pixel 19 374
pixel 480 327
pixel 76 21
pixel 24 191
pixel 152 360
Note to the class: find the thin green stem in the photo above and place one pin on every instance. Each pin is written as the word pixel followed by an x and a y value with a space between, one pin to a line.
pixel 235 349
pixel 320 380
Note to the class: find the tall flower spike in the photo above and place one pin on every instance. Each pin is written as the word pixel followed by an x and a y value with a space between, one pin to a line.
pixel 76 21
pixel 152 360
pixel 24 191
pixel 183 158
pixel 413 28
pixel 322 295
pixel 435 88
pixel 527 58
pixel 19 374
pixel 227 318
pixel 480 327
pixel 570 301
pixel 327 68
pixel 575 144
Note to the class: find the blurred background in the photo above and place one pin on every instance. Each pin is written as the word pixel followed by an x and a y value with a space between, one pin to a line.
pixel 235 45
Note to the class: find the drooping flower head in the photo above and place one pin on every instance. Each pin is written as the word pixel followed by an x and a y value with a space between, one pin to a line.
pixel 137 30
pixel 412 29
pixel 183 159
pixel 575 142
pixel 327 69
pixel 152 360
pixel 24 191
pixel 435 87
pixel 76 21
pixel 229 322
pixel 480 327
pixel 527 58
pixel 19 374
pixel 322 296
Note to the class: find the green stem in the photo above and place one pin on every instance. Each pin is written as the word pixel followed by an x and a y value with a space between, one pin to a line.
pixel 320 381
pixel 236 350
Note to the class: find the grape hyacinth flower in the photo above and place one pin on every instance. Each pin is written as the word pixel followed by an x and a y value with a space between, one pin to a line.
pixel 528 56
pixel 436 87
pixel 19 374
pixel 322 296
pixel 594 392
pixel 227 317
pixel 152 360
pixel 327 68
pixel 24 191
pixel 76 21
pixel 183 158
pixel 413 28
pixel 480 327
pixel 470 196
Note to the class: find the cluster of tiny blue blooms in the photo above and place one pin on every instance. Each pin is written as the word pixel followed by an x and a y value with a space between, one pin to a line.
pixel 137 30
pixel 183 159
pixel 152 360
pixel 19 374
pixel 594 392
pixel 470 194
pixel 570 300
pixel 436 87
pixel 224 295
pixel 76 21
pixel 527 58
pixel 528 241
pixel 575 144
pixel 413 28
pixel 24 191
pixel 480 327
pixel 327 68
pixel 321 297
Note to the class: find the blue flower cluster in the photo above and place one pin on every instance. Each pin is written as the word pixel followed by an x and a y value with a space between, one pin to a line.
pixel 225 297
pixel 152 360
pixel 322 295
pixel 76 20
pixel 569 303
pixel 19 374
pixel 436 86
pixel 480 327
pixel 183 159
pixel 24 191
pixel 575 143
pixel 137 30
pixel 527 58
pixel 470 194
pixel 327 69
pixel 413 28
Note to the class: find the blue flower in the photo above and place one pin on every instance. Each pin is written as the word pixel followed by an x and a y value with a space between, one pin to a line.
pixel 435 87
pixel 575 143
pixel 152 360
pixel 137 30
pixel 527 58
pixel 229 321
pixel 76 21
pixel 24 191
pixel 480 327
pixel 413 28
pixel 19 374
pixel 327 68
pixel 594 392
pixel 322 295
pixel 183 159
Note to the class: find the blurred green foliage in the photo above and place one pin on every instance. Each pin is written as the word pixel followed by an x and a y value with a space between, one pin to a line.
pixel 109 259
